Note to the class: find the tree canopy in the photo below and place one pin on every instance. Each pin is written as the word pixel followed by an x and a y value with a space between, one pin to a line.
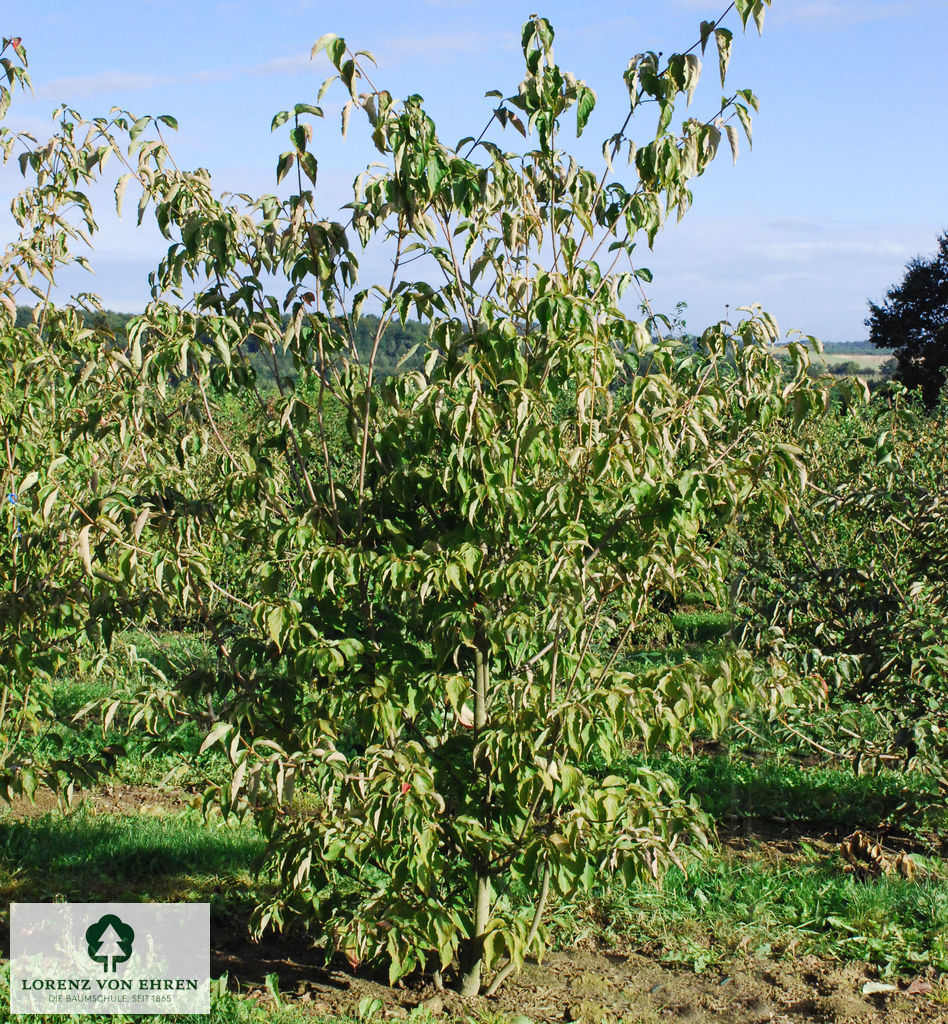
pixel 913 322
pixel 418 589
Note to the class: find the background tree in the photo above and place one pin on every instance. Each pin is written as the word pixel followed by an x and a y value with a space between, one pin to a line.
pixel 913 322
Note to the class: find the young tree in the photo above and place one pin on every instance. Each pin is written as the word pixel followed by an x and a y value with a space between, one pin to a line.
pixel 425 636
pixel 66 408
pixel 913 322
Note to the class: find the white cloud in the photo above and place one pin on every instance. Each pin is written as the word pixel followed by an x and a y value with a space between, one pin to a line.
pixel 833 12
pixel 291 64
pixel 80 86
pixel 784 250
pixel 436 47
pixel 816 277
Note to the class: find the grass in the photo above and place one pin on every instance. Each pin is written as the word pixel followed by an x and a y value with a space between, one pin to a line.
pixel 775 902
pixel 815 796
pixel 752 900
pixel 806 905
pixel 103 858
pixel 702 627
pixel 226 1008
pixel 729 902
pixel 146 760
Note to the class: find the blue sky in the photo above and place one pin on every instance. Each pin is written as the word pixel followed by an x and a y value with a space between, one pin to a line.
pixel 844 185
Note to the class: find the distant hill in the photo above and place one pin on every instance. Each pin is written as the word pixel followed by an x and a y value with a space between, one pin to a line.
pixel 854 348
pixel 116 321
pixel 395 343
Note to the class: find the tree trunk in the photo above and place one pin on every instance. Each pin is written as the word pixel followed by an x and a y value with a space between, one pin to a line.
pixel 471 978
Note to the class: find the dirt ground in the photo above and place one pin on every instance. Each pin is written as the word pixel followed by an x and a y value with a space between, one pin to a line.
pixel 593 986
pixel 115 799
pixel 587 985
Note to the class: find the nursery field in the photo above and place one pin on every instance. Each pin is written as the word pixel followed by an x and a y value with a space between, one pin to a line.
pixel 478 645
pixel 767 925
pixel 769 922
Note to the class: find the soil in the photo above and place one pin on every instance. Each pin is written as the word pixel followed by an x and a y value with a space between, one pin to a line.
pixel 585 985
pixel 599 987
pixel 116 799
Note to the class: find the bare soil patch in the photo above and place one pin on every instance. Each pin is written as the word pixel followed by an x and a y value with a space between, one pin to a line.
pixel 121 800
pixel 593 986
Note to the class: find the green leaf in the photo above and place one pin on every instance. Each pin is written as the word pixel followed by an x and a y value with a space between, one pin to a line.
pixel 309 165
pixel 585 103
pixel 27 482
pixel 336 48
pixel 120 187
pixel 284 164
pixel 298 138
pixel 743 115
pixel 325 86
pixel 707 27
pixel 275 624
pixel 219 732
pixel 138 127
pixel 723 37
pixel 84 552
pixel 321 43
pixel 307 108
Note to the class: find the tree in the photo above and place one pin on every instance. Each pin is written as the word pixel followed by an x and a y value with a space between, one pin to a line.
pixel 424 634
pixel 110 948
pixel 63 403
pixel 913 322
pixel 434 643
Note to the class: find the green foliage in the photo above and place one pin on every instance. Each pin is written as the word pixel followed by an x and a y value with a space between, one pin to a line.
pixel 850 368
pixel 850 348
pixel 857 595
pixel 417 588
pixel 911 322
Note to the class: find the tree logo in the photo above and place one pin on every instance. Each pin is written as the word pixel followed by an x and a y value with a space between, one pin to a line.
pixel 110 941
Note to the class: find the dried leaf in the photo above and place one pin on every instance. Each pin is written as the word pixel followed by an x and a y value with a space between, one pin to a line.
pixel 84 548
pixel 872 987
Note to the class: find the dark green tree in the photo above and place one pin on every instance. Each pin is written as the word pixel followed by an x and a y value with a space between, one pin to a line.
pixel 913 322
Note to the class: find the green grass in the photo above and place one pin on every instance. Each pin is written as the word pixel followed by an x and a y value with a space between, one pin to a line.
pixel 102 858
pixel 702 627
pixel 804 905
pixel 226 1008
pixel 146 760
pixel 817 796
pixel 85 857
pixel 758 902
pixel 798 899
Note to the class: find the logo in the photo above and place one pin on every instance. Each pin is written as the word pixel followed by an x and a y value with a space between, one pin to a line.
pixel 109 958
pixel 110 941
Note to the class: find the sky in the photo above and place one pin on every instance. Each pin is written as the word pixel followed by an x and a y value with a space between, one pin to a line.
pixel 840 190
